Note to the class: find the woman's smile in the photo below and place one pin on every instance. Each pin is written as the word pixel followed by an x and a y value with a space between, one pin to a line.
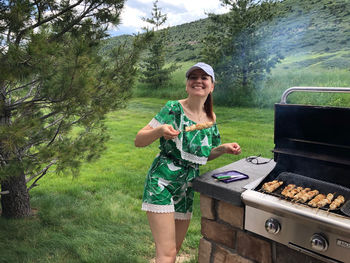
pixel 198 87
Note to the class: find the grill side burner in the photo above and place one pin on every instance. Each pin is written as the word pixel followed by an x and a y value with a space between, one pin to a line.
pixel 312 144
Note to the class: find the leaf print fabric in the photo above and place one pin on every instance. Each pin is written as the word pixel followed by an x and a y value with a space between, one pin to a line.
pixel 168 186
pixel 193 146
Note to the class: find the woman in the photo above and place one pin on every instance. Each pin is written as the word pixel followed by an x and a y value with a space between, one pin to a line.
pixel 168 195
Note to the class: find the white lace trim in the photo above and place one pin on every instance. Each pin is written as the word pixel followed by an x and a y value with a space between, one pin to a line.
pixel 154 123
pixel 157 208
pixel 166 209
pixel 182 216
pixel 189 156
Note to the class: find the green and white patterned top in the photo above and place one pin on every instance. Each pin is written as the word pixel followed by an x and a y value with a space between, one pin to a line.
pixel 194 146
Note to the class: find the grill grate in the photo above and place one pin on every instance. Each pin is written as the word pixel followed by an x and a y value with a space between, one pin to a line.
pixel 346 208
pixel 314 184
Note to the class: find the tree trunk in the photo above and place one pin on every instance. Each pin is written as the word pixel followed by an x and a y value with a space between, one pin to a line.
pixel 16 203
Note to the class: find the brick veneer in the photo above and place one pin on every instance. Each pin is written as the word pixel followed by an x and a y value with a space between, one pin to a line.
pixel 225 240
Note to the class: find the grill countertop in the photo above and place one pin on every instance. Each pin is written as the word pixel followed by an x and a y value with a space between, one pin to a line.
pixel 231 192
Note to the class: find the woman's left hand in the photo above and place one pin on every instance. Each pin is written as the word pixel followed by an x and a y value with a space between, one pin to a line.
pixel 232 148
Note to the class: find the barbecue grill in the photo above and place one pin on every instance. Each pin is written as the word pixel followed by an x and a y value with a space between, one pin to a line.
pixel 312 149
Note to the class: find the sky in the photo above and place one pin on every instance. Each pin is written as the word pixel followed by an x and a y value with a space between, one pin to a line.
pixel 178 12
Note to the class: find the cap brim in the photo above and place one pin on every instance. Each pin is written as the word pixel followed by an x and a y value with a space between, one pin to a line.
pixel 192 69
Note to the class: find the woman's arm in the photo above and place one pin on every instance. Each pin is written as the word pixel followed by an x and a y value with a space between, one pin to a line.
pixel 231 148
pixel 147 134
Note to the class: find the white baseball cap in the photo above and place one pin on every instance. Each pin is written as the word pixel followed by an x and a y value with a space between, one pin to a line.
pixel 205 67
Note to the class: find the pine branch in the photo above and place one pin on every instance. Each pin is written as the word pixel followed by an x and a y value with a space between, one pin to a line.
pixel 74 22
pixel 48 19
pixel 34 101
pixel 39 11
pixel 28 95
pixel 21 103
pixel 82 117
pixel 57 131
pixel 44 140
pixel 40 174
pixel 53 123
pixel 49 115
pixel 23 87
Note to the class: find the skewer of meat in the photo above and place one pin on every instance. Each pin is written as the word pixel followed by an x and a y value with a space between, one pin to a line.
pixel 288 188
pixel 271 186
pixel 199 126
pixel 269 183
pixel 337 202
pixel 301 193
pixel 325 201
pixel 294 191
pixel 316 199
pixel 307 196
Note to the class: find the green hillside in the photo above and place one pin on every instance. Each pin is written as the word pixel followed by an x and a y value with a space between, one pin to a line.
pixel 306 27
pixel 319 27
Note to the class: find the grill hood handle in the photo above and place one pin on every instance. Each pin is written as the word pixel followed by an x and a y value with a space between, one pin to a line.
pixel 312 89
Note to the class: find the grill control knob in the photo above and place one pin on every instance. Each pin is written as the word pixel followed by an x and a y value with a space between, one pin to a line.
pixel 319 242
pixel 272 226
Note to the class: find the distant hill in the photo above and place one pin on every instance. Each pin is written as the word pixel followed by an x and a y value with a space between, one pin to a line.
pixel 318 27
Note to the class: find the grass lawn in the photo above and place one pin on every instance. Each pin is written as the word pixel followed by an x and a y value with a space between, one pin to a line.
pixel 96 216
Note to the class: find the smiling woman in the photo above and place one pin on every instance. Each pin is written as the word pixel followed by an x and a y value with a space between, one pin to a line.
pixel 200 82
pixel 168 194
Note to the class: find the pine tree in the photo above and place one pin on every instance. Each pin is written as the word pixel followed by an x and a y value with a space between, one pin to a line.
pixel 154 73
pixel 236 48
pixel 55 90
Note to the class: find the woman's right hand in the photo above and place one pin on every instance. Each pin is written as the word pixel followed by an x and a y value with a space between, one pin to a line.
pixel 168 132
pixel 147 134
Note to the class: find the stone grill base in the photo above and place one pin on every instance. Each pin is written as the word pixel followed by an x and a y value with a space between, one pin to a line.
pixel 224 239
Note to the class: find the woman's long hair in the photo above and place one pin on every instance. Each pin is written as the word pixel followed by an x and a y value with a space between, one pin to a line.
pixel 208 106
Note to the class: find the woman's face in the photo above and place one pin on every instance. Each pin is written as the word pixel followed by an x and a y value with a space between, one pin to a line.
pixel 199 83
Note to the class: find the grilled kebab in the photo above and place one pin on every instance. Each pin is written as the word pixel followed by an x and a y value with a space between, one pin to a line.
pixel 316 199
pixel 199 126
pixel 271 186
pixel 337 202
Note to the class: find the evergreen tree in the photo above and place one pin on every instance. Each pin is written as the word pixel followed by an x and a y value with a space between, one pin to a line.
pixel 154 73
pixel 236 48
pixel 51 81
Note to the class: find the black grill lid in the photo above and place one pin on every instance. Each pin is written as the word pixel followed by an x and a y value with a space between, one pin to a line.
pixel 313 132
pixel 316 132
pixel 313 141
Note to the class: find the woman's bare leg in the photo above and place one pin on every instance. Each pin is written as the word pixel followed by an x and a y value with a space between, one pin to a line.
pixel 181 227
pixel 163 231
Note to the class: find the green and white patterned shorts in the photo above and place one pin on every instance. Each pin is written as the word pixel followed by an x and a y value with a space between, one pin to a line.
pixel 168 187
